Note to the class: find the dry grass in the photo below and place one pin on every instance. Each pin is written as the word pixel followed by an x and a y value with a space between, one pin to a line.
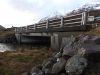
pixel 94 31
pixel 17 62
pixel 6 33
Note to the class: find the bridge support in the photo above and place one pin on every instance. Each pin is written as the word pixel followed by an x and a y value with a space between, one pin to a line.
pixel 60 39
pixel 18 37
pixel 55 42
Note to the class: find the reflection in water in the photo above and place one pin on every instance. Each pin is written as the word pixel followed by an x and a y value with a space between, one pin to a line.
pixel 6 47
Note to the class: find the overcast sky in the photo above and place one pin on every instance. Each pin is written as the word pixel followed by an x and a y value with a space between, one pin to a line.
pixel 25 12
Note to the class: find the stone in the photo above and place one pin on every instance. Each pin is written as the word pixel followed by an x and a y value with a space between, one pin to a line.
pixel 71 48
pixel 68 50
pixel 75 65
pixel 93 40
pixel 37 71
pixel 58 55
pixel 58 66
pixel 47 67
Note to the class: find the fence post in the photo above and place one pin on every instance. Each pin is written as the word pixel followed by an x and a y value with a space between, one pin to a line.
pixel 83 18
pixel 83 21
pixel 47 24
pixel 62 22
pixel 34 26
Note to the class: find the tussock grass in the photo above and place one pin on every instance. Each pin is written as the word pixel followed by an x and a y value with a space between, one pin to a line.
pixel 17 62
pixel 95 31
pixel 6 33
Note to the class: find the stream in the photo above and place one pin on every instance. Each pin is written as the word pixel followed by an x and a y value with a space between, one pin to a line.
pixel 6 47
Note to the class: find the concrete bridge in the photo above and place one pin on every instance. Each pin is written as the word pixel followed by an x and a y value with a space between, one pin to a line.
pixel 58 30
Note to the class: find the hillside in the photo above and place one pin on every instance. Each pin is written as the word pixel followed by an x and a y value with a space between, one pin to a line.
pixel 2 28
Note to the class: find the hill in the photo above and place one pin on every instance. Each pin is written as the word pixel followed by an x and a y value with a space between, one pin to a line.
pixel 2 28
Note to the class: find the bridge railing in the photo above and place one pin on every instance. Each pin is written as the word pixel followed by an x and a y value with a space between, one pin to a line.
pixel 73 20
pixel 61 24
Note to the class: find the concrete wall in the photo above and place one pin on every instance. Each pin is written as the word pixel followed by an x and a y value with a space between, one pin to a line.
pixel 57 39
pixel 60 39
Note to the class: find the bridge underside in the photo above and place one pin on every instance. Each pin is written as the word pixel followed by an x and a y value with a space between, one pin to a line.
pixel 54 40
pixel 36 40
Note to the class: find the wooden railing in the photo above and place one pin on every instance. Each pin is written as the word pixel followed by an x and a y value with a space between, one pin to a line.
pixel 67 23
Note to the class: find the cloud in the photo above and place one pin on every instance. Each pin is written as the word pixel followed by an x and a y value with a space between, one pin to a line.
pixel 12 17
pixel 24 12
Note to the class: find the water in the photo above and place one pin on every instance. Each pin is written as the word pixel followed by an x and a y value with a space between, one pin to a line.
pixel 6 47
pixel 13 47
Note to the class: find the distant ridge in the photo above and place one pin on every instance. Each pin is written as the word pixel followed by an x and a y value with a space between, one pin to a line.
pixel 2 28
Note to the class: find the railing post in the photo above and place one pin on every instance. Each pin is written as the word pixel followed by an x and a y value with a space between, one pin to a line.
pixel 34 26
pixel 26 28
pixel 47 24
pixel 16 30
pixel 62 22
pixel 83 22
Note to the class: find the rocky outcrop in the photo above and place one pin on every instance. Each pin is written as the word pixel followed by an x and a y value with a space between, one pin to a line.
pixel 73 59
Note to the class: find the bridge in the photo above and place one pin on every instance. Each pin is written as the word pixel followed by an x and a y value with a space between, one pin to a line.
pixel 58 29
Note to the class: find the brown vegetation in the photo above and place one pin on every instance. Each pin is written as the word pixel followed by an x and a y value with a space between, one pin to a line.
pixel 22 60
pixel 6 33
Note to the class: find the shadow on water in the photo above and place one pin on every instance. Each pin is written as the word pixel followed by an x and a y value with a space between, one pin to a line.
pixel 13 47
pixel 37 42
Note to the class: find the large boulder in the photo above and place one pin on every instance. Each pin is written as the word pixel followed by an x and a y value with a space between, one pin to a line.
pixel 47 66
pixel 71 48
pixel 68 50
pixel 37 71
pixel 75 65
pixel 59 66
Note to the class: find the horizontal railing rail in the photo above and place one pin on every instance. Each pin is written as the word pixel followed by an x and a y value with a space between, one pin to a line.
pixel 67 21
pixel 79 20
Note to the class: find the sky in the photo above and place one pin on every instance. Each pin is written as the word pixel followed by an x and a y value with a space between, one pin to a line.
pixel 25 12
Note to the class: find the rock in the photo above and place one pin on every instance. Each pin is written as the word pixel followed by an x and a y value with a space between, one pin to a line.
pixel 47 67
pixel 37 71
pixel 58 55
pixel 71 49
pixel 58 66
pixel 93 40
pixel 97 40
pixel 75 65
pixel 68 50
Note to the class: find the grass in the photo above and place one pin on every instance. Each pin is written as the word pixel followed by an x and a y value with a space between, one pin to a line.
pixel 95 31
pixel 6 33
pixel 17 62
